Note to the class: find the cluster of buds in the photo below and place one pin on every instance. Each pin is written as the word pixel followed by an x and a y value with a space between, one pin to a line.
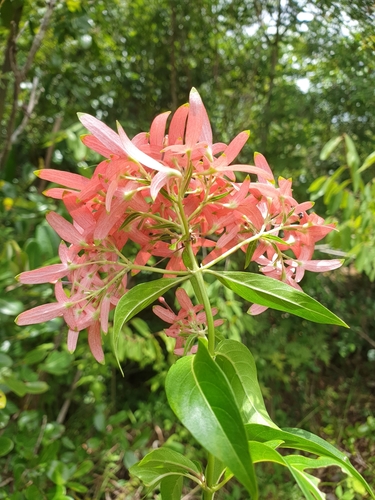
pixel 161 191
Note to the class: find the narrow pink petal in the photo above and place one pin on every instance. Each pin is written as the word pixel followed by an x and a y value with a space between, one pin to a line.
pixel 110 192
pixel 64 229
pixel 136 154
pixel 164 314
pixel 303 207
pixel 47 274
pixel 60 294
pixel 245 168
pixel 67 179
pixel 178 123
pixel 256 309
pixel 72 340
pixel 206 133
pixel 233 149
pixel 95 341
pixel 103 133
pixel 159 181
pixel 140 139
pixel 40 314
pixel 58 193
pixel 262 163
pixel 320 266
pixel 183 299
pixel 104 312
pixel 157 130
pixel 227 237
pixel 107 220
pixel 93 143
pixel 218 147
pixel 195 118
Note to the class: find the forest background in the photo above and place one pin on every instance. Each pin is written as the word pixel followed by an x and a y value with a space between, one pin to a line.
pixel 297 74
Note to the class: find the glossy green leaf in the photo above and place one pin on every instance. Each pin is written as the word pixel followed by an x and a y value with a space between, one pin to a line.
pixel 308 483
pixel 201 397
pixel 34 253
pixel 250 252
pixel 35 356
pixel 5 360
pixel 317 184
pixel 329 147
pixel 302 440
pixel 57 362
pixel 238 364
pixel 6 446
pixel 78 487
pixel 262 452
pixel 171 488
pixel 10 307
pixel 164 462
pixel 370 160
pixel 15 385
pixel 83 469
pixel 351 153
pixel 137 299
pixel 37 387
pixel 273 293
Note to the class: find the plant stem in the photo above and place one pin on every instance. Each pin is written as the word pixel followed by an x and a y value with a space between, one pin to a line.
pixel 198 281
pixel 209 495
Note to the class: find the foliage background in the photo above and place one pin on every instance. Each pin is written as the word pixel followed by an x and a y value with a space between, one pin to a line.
pixel 296 73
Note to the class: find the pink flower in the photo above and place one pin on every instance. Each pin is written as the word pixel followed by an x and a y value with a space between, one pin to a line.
pixel 135 195
pixel 190 321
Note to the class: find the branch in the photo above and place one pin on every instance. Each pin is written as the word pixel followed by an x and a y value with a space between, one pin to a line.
pixel 34 97
pixel 38 37
pixel 20 75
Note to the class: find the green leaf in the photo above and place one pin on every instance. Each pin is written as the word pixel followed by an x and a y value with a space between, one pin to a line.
pixel 137 299
pixel 15 385
pixel 34 253
pixel 308 483
pixel 171 488
pixel 164 462
pixel 353 162
pixel 57 363
pixel 201 397
pixel 351 154
pixel 58 472
pixel 6 446
pixel 250 252
pixel 317 184
pixel 5 360
pixel 10 307
pixel 273 293
pixel 263 452
pixel 330 147
pixel 80 488
pixel 37 387
pixel 370 160
pixel 305 441
pixel 83 468
pixel 238 364
pixel 276 239
pixel 35 356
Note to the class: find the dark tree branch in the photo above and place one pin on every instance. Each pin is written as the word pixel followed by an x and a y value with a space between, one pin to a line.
pixel 20 74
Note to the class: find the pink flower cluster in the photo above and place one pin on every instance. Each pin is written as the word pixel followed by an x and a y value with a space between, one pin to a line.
pixel 189 323
pixel 160 191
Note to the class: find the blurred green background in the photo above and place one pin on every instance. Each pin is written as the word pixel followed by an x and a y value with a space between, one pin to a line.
pixel 297 74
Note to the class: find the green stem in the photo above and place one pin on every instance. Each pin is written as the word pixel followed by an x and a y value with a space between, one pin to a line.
pixel 209 494
pixel 255 237
pixel 202 295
